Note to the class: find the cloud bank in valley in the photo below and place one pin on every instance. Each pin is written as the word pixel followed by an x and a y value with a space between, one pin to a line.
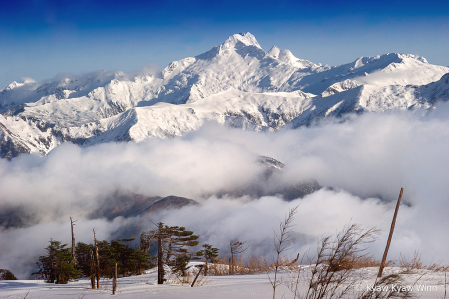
pixel 366 159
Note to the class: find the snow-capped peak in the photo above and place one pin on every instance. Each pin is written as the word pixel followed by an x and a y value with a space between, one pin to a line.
pixel 239 41
pixel 274 52
pixel 283 55
pixel 242 43
pixel 287 57
pixel 13 85
pixel 236 83
pixel 412 56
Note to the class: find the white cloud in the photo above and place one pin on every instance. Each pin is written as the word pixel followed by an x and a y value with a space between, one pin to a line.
pixel 368 159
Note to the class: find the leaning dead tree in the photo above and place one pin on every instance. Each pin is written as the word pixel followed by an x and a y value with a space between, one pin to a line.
pixel 72 223
pixel 384 258
pixel 237 247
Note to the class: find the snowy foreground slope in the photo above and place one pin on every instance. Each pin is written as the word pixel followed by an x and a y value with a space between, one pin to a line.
pixel 430 285
pixel 237 84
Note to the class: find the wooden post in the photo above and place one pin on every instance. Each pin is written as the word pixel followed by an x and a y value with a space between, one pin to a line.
pixel 114 281
pixel 198 274
pixel 445 284
pixel 384 258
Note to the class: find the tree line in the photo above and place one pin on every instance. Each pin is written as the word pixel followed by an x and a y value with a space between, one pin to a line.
pixel 169 245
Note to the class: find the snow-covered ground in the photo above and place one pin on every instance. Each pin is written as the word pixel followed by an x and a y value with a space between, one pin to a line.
pixel 430 285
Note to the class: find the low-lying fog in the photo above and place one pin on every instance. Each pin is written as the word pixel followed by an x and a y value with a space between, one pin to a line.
pixel 366 159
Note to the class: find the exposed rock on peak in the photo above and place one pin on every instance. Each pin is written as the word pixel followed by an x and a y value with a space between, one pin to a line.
pixel 339 87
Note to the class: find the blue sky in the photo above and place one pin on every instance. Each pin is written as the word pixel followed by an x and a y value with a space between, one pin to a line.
pixel 41 38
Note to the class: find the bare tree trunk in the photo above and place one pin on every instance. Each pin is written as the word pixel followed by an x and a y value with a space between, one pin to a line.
pixel 160 264
pixel 169 251
pixel 230 265
pixel 384 258
pixel 196 277
pixel 237 247
pixel 98 262
pixel 114 282
pixel 72 223
pixel 92 269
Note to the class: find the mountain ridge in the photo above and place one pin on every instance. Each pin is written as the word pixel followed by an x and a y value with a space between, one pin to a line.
pixel 237 84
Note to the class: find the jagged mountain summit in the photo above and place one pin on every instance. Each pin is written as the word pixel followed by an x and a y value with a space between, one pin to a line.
pixel 237 84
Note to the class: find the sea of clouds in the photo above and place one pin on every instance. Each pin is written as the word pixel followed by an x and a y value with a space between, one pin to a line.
pixel 365 159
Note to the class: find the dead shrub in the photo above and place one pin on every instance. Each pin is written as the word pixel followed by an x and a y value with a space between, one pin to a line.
pixel 255 264
pixel 415 264
pixel 333 274
pixel 238 267
pixel 364 261
pixel 411 266
pixel 437 267
pixel 188 278
pixel 258 264
pixel 218 268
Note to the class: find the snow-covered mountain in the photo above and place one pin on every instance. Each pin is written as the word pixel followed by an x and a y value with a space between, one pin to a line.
pixel 237 84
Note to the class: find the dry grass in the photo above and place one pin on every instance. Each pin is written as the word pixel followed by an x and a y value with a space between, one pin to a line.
pixel 188 279
pixel 413 265
pixel 219 268
pixel 410 266
pixel 437 267
pixel 334 272
pixel 364 261
pixel 258 264
pixel 255 264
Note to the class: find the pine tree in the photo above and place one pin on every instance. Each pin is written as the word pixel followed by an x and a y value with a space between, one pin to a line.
pixel 210 254
pixel 180 264
pixel 56 266
pixel 84 258
pixel 5 274
pixel 130 261
pixel 172 243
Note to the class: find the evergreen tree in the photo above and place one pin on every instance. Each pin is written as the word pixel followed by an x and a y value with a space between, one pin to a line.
pixel 210 254
pixel 84 258
pixel 172 243
pixel 56 266
pixel 179 239
pixel 180 264
pixel 130 261
pixel 6 275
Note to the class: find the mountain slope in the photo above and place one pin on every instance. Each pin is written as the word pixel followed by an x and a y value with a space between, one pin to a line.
pixel 237 84
pixel 372 98
pixel 20 137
